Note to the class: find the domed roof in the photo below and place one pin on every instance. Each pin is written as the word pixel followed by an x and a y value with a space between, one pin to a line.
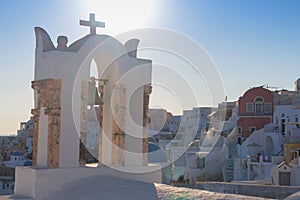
pixel 152 147
pixel 16 153
pixel 28 163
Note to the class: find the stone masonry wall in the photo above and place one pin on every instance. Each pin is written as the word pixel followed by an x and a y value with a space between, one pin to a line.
pixel 147 92
pixel 100 117
pixel 83 122
pixel 48 96
pixel 119 115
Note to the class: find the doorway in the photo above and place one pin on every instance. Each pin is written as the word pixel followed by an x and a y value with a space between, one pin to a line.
pixel 285 178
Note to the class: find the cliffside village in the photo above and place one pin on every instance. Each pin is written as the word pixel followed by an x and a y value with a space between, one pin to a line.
pixel 15 150
pixel 254 139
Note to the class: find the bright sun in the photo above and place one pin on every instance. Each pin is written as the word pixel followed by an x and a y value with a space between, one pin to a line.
pixel 121 16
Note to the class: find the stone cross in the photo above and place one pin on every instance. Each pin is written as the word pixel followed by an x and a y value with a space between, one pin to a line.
pixel 93 24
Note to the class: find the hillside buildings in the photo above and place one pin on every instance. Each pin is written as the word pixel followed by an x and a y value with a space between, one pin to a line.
pixel 270 152
pixel 15 151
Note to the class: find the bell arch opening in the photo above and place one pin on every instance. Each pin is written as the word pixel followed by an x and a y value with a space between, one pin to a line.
pixel 91 116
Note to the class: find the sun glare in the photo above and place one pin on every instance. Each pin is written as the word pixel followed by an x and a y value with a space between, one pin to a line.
pixel 121 16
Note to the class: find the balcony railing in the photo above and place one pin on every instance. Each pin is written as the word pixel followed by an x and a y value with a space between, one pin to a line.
pixel 292 139
pixel 255 114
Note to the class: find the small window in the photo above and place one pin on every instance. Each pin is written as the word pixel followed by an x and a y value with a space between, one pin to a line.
pixel 239 130
pixel 259 99
pixel 239 140
pixel 252 129
pixel 249 107
pixel 258 108
pixel 268 107
pixel 297 121
pixel 259 105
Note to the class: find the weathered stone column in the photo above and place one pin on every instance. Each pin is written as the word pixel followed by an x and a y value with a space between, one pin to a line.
pixel 83 122
pixel 49 97
pixel 36 117
pixel 100 117
pixel 119 145
pixel 147 92
pixel 54 128
pixel 119 121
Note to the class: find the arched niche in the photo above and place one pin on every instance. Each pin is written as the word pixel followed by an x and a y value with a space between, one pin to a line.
pixel 269 146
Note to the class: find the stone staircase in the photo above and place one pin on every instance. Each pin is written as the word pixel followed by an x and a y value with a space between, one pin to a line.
pixel 228 168
pixel 228 173
pixel 282 150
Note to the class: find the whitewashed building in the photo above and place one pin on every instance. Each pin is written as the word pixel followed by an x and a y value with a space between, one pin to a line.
pixel 278 141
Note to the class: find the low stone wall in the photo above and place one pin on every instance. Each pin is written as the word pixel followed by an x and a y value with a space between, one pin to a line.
pixel 264 191
pixel 38 183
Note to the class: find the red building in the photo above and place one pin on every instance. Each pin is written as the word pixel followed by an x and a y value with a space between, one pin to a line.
pixel 255 109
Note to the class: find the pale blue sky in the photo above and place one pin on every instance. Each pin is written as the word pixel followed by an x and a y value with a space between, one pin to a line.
pixel 252 42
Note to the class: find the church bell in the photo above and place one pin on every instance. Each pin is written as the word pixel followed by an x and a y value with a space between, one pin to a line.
pixel 93 94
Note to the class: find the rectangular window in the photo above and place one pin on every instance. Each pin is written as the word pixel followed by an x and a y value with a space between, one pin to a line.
pixel 252 129
pixel 249 107
pixel 258 108
pixel 268 107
